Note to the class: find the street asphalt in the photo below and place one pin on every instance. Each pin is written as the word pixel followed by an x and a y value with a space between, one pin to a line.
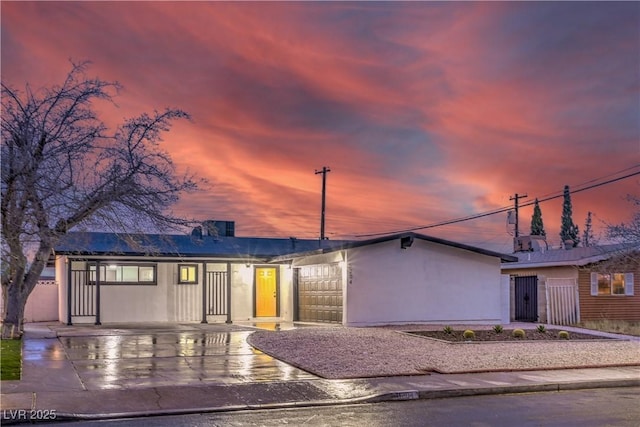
pixel 115 371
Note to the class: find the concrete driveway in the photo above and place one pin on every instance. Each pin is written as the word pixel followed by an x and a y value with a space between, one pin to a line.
pixel 124 357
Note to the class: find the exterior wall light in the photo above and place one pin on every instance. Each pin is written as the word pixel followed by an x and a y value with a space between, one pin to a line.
pixel 406 242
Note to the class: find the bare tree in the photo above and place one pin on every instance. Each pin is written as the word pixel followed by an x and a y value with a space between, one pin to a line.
pixel 62 169
pixel 628 232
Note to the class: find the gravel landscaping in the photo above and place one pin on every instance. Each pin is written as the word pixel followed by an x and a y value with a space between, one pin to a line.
pixel 374 352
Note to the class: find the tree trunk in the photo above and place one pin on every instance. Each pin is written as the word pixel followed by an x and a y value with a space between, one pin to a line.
pixel 14 314
pixel 20 286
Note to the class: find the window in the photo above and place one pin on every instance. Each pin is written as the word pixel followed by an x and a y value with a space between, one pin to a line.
pixel 612 284
pixel 188 273
pixel 124 274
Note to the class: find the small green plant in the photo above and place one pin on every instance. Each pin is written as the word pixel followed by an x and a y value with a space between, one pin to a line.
pixel 448 330
pixel 518 333
pixel 541 329
pixel 498 329
pixel 469 334
pixel 563 335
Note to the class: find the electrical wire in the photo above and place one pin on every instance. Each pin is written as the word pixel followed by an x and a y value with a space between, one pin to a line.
pixel 506 209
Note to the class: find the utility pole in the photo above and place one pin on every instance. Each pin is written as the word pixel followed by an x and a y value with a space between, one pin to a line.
pixel 516 198
pixel 324 171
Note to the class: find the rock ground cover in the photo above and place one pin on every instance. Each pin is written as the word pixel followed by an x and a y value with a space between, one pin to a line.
pixel 341 353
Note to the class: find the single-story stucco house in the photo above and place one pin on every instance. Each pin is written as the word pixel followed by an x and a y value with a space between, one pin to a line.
pixel 401 278
pixel 564 286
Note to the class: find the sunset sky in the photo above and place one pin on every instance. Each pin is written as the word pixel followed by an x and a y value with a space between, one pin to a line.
pixel 424 111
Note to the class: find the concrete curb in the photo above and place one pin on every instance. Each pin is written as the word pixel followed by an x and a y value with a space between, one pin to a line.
pixel 404 395
pixel 480 391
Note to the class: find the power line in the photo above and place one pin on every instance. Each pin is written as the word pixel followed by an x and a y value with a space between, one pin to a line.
pixel 500 210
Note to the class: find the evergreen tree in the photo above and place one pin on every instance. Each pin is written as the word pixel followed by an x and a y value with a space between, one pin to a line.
pixel 568 231
pixel 587 236
pixel 537 226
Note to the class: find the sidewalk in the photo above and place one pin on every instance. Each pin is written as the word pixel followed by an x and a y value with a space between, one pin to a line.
pixel 105 404
pixel 53 389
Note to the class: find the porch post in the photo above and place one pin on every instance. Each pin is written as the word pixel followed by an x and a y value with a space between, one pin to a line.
pixel 205 278
pixel 69 288
pixel 228 293
pixel 98 293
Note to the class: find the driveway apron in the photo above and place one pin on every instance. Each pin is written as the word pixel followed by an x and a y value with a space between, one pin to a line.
pixel 140 357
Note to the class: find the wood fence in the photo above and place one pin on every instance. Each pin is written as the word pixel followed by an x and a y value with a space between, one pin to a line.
pixel 563 306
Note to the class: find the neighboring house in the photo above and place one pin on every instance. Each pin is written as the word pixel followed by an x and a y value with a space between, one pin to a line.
pixel 171 278
pixel 564 286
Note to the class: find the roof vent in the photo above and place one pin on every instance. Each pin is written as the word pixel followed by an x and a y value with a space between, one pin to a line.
pixel 196 233
pixel 529 244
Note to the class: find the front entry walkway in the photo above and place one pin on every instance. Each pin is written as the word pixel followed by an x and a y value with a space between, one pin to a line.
pixel 142 356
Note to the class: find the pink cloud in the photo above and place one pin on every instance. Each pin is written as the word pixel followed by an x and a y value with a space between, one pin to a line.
pixel 424 111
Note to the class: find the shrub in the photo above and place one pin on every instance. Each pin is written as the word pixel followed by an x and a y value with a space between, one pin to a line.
pixel 542 329
pixel 498 329
pixel 518 333
pixel 469 334
pixel 448 329
pixel 563 335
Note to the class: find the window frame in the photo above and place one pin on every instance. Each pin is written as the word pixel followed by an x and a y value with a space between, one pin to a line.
pixel 92 268
pixel 195 280
pixel 627 286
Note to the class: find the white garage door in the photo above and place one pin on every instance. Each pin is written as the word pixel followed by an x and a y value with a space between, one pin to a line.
pixel 320 293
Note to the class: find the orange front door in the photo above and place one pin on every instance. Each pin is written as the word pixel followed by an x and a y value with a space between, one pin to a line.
pixel 266 292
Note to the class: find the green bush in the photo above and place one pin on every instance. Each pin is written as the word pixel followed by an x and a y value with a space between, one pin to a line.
pixel 469 334
pixel 518 333
pixel 542 329
pixel 498 329
pixel 448 330
pixel 563 335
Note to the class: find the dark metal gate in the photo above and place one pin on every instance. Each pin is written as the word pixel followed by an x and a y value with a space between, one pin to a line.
pixel 216 293
pixel 526 296
pixel 83 294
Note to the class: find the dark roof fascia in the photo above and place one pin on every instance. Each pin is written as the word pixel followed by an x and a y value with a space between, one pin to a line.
pixel 137 257
pixel 361 243
pixel 173 255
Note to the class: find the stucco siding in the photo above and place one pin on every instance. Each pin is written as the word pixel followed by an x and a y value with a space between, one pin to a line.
pixel 61 279
pixel 241 292
pixel 137 303
pixel 286 293
pixel 564 272
pixel 427 282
